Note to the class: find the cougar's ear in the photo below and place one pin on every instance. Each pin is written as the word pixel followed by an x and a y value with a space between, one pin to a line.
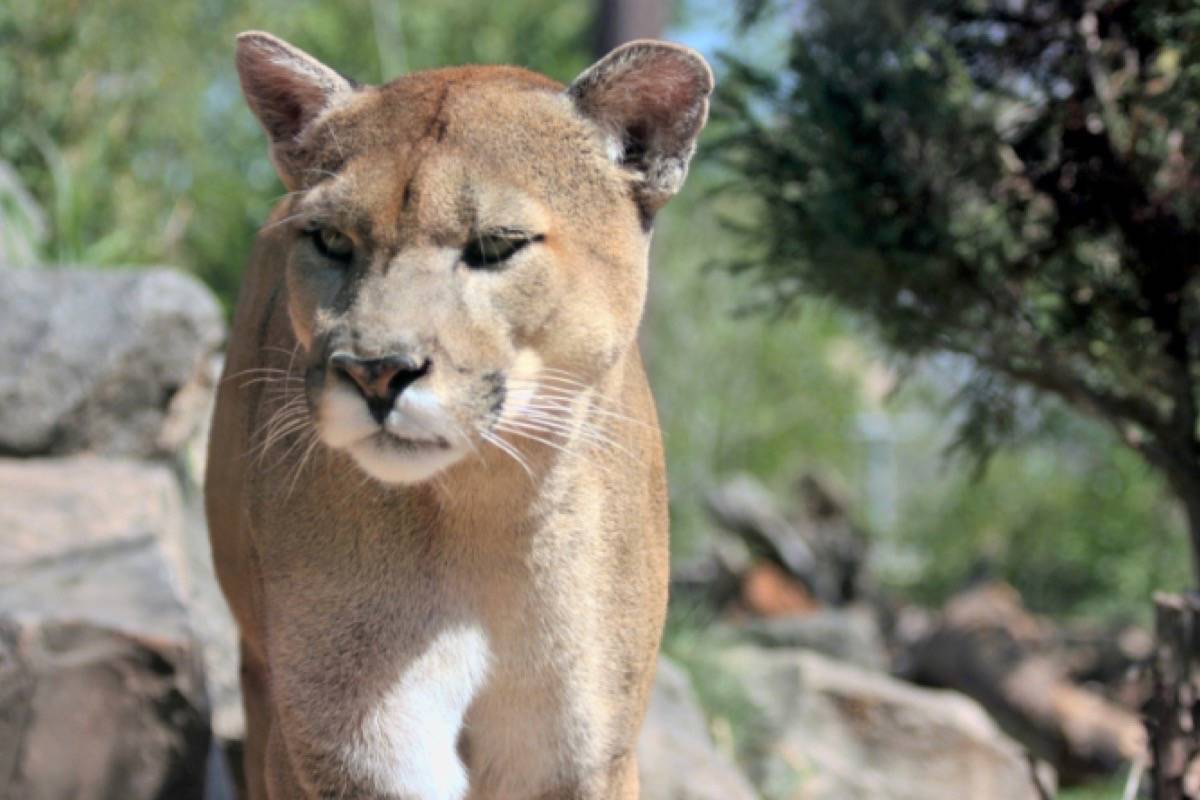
pixel 652 99
pixel 286 89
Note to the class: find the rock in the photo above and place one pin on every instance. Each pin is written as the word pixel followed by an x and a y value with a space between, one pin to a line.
pixel 210 614
pixel 826 730
pixel 744 507
pixel 63 510
pixel 848 634
pixel 212 623
pixel 988 646
pixel 816 544
pixel 712 577
pixel 89 713
pixel 102 690
pixel 841 546
pixel 676 756
pixel 1111 659
pixel 54 508
pixel 100 361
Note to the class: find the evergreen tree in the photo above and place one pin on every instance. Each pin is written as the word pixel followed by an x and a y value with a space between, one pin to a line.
pixel 1011 180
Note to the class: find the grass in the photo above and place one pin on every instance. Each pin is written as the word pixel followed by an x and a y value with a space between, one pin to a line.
pixel 1113 789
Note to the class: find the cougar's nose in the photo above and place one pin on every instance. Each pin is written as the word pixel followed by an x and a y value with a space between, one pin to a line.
pixel 380 380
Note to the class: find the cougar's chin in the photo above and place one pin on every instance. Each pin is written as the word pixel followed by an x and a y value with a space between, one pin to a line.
pixel 393 459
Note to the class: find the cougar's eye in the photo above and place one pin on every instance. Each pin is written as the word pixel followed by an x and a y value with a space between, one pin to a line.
pixel 489 250
pixel 332 244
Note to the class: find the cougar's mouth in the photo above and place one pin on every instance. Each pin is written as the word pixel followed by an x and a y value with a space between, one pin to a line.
pixel 387 439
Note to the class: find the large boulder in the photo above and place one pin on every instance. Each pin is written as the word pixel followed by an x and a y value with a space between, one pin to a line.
pixel 848 634
pixel 987 645
pixel 106 361
pixel 826 730
pixel 53 510
pixel 212 623
pixel 676 756
pixel 102 689
pixel 90 713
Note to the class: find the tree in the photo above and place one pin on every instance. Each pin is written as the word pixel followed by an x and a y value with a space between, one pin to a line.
pixel 620 21
pixel 141 150
pixel 1015 181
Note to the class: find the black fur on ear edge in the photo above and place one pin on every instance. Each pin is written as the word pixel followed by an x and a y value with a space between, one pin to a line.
pixel 651 97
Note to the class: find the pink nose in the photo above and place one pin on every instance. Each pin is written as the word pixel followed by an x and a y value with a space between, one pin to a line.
pixel 380 380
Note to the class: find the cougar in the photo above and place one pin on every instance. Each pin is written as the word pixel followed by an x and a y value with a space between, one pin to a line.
pixel 435 484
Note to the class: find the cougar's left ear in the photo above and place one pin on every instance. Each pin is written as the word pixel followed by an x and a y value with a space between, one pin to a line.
pixel 286 89
pixel 652 98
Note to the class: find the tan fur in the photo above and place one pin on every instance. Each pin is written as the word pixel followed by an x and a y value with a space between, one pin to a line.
pixel 530 597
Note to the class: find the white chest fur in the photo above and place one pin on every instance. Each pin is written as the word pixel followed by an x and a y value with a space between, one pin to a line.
pixel 406 745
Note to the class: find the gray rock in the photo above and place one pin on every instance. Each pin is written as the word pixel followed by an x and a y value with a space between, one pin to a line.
pixel 52 508
pixel 212 623
pixel 745 507
pixel 676 756
pixel 102 689
pixel 88 713
pixel 100 360
pixel 713 576
pixel 986 644
pixel 848 634
pixel 826 730
pixel 816 543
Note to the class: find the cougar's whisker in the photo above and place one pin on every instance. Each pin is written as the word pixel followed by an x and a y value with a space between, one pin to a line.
pixel 566 431
pixel 505 447
pixel 314 441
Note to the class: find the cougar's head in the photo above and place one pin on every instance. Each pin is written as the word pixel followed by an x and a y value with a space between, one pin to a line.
pixel 465 247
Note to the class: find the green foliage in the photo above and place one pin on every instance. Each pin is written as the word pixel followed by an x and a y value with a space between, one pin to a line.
pixel 1012 182
pixel 125 118
pixel 737 393
pixel 1079 525
pixel 1113 789
pixel 695 646
pixel 22 223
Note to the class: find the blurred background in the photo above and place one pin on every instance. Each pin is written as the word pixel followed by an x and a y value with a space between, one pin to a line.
pixel 921 331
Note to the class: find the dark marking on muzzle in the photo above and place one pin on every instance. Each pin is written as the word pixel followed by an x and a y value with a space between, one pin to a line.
pixel 496 392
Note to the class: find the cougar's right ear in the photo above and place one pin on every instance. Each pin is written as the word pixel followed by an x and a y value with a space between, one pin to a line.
pixel 651 98
pixel 286 89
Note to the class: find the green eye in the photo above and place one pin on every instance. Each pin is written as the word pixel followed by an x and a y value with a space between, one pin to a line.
pixel 489 250
pixel 332 244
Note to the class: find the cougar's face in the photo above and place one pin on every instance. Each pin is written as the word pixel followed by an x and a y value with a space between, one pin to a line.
pixel 466 247
pixel 456 267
